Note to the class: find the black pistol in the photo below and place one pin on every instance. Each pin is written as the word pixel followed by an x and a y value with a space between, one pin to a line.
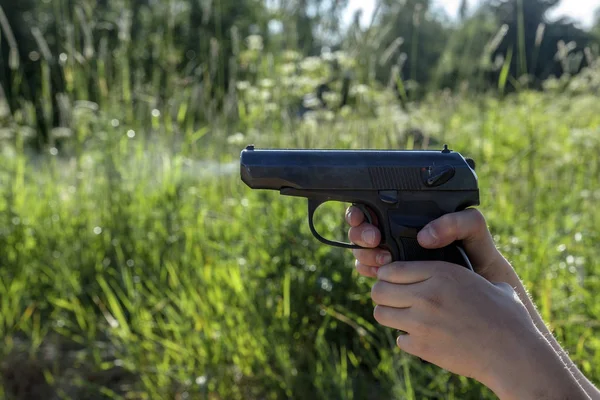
pixel 403 189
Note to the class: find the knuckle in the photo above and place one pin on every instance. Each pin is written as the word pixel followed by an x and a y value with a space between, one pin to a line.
pixel 431 301
pixel 478 218
pixel 445 227
pixel 451 224
pixel 506 288
pixel 447 276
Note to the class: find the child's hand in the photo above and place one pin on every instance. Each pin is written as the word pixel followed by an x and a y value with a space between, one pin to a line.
pixel 474 325
pixel 456 319
pixel 468 226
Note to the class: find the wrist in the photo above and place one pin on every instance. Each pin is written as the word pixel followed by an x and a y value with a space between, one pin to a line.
pixel 532 370
pixel 500 270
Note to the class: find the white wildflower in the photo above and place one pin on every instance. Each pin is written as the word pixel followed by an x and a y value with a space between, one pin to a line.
pixel 237 138
pixel 243 85
pixel 288 69
pixel 267 83
pixel 311 64
pixel 255 42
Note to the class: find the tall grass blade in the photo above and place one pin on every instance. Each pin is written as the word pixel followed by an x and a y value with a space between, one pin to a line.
pixel 522 46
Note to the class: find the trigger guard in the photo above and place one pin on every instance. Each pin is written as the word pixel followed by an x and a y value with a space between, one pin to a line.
pixel 313 204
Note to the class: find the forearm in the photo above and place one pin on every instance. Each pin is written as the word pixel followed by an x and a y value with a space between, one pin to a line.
pixel 534 371
pixel 509 276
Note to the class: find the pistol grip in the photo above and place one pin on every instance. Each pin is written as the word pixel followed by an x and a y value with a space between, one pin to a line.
pixel 405 247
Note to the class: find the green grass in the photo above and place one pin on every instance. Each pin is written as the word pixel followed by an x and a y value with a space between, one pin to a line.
pixel 189 277
pixel 127 252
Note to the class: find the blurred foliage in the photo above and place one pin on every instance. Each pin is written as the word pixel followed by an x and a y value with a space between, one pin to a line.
pixel 131 267
pixel 412 38
pixel 163 44
pixel 537 43
pixel 514 36
pixel 307 25
pixel 175 44
pixel 596 28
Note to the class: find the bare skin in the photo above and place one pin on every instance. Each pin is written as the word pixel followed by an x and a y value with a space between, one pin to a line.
pixel 482 325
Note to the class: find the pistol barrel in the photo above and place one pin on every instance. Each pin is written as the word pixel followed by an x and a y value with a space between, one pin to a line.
pixel 406 170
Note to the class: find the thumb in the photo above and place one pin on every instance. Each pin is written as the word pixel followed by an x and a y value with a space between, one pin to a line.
pixel 470 227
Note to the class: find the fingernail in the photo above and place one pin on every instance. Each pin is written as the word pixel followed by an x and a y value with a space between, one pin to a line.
pixel 428 236
pixel 349 216
pixel 384 258
pixel 368 236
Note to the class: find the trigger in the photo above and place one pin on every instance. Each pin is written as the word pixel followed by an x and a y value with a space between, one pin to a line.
pixel 366 212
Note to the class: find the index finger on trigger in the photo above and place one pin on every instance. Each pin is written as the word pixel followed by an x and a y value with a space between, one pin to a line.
pixel 354 216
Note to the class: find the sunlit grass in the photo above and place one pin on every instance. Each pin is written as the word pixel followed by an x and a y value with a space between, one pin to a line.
pixel 197 284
